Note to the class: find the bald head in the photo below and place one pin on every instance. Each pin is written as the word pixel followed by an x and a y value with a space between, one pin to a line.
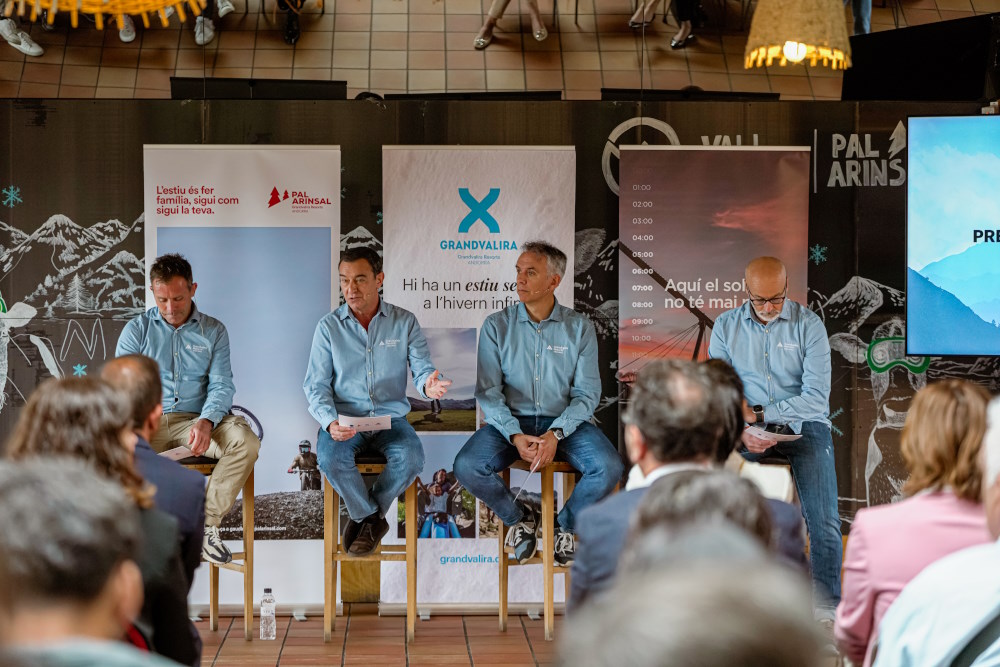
pixel 137 378
pixel 766 279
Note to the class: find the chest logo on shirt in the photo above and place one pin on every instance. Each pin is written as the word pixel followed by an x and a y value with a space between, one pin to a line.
pixel 389 342
pixel 557 349
pixel 197 349
pixel 791 347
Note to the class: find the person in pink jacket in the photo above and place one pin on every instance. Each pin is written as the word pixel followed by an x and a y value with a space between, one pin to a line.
pixel 891 544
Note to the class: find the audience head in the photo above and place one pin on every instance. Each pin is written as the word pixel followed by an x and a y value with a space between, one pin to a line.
pixel 942 438
pixel 729 400
pixel 710 615
pixel 82 418
pixel 672 414
pixel 689 498
pixel 68 543
pixel 991 465
pixel 137 378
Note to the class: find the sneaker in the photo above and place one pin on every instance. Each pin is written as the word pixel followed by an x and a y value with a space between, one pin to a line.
pixel 373 529
pixel 224 7
pixel 127 33
pixel 521 540
pixel 44 21
pixel 204 31
pixel 829 649
pixel 19 39
pixel 565 546
pixel 212 548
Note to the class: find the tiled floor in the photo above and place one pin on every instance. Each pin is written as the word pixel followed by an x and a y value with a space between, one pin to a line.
pixel 363 638
pixel 426 46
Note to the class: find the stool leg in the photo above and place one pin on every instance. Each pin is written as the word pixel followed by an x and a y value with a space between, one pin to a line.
pixel 548 555
pixel 330 538
pixel 248 526
pixel 213 597
pixel 505 476
pixel 411 561
pixel 569 483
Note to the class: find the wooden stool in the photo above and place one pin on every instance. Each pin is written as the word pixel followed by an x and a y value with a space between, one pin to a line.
pixel 205 466
pixel 547 559
pixel 333 552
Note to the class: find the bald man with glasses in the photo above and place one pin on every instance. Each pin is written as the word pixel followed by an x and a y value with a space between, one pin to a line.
pixel 781 351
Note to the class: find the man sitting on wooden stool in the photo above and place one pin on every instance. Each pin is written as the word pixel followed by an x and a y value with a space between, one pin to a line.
pixel 538 385
pixel 357 368
pixel 192 351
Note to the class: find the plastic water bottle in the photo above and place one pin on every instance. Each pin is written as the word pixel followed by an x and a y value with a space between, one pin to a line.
pixel 268 626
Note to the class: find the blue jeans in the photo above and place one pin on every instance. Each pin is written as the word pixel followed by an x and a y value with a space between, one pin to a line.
pixel 862 11
pixel 815 475
pixel 488 452
pixel 404 457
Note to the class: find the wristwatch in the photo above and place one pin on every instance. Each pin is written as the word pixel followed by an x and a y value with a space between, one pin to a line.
pixel 758 411
pixel 558 432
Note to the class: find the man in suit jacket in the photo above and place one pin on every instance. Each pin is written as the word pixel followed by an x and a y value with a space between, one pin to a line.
pixel 681 416
pixel 179 492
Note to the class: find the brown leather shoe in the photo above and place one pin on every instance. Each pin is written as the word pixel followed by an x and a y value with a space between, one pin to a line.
pixel 351 531
pixel 373 529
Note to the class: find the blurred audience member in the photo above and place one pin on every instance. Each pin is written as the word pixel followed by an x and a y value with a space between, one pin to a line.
pixel 891 544
pixel 950 608
pixel 87 419
pixel 69 584
pixel 179 492
pixel 706 614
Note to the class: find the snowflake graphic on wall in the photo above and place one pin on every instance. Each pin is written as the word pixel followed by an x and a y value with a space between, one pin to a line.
pixel 12 196
pixel 833 415
pixel 817 254
pixel 80 370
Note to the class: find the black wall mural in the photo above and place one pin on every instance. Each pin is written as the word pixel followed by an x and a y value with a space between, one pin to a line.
pixel 71 225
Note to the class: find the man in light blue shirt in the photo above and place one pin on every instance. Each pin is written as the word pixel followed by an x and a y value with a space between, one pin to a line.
pixel 357 368
pixel 781 351
pixel 192 351
pixel 538 384
pixel 944 608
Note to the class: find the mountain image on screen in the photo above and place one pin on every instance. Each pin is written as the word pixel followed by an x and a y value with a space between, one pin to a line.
pixel 973 276
pixel 941 323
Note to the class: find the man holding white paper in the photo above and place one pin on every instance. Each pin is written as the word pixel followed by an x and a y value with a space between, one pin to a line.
pixel 538 384
pixel 781 351
pixel 357 379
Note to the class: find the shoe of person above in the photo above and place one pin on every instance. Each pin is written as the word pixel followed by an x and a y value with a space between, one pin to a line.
pixel 292 29
pixel 204 31
pixel 351 531
pixel 224 7
pixel 19 39
pixel 127 33
pixel 213 549
pixel 521 540
pixel 373 529
pixel 565 546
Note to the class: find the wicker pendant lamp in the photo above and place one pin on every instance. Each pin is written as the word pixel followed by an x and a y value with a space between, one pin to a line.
pixel 795 31
pixel 98 8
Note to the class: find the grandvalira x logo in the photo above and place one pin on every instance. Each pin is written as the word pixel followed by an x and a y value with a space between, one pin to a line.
pixel 301 200
pixel 479 212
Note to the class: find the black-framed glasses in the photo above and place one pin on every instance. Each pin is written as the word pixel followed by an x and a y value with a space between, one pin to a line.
pixel 774 300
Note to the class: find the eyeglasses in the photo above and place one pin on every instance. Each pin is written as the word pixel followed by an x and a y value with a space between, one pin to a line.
pixel 774 300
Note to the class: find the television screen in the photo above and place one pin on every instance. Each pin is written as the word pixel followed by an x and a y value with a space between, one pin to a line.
pixel 953 236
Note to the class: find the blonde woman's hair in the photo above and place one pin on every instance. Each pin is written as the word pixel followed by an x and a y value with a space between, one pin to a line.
pixel 942 438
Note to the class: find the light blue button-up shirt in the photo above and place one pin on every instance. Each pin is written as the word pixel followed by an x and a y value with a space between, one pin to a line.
pixel 194 361
pixel 784 365
pixel 363 373
pixel 547 369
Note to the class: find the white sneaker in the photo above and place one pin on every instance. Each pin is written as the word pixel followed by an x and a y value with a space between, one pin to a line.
pixel 212 548
pixel 127 33
pixel 19 39
pixel 168 11
pixel 224 7
pixel 204 31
